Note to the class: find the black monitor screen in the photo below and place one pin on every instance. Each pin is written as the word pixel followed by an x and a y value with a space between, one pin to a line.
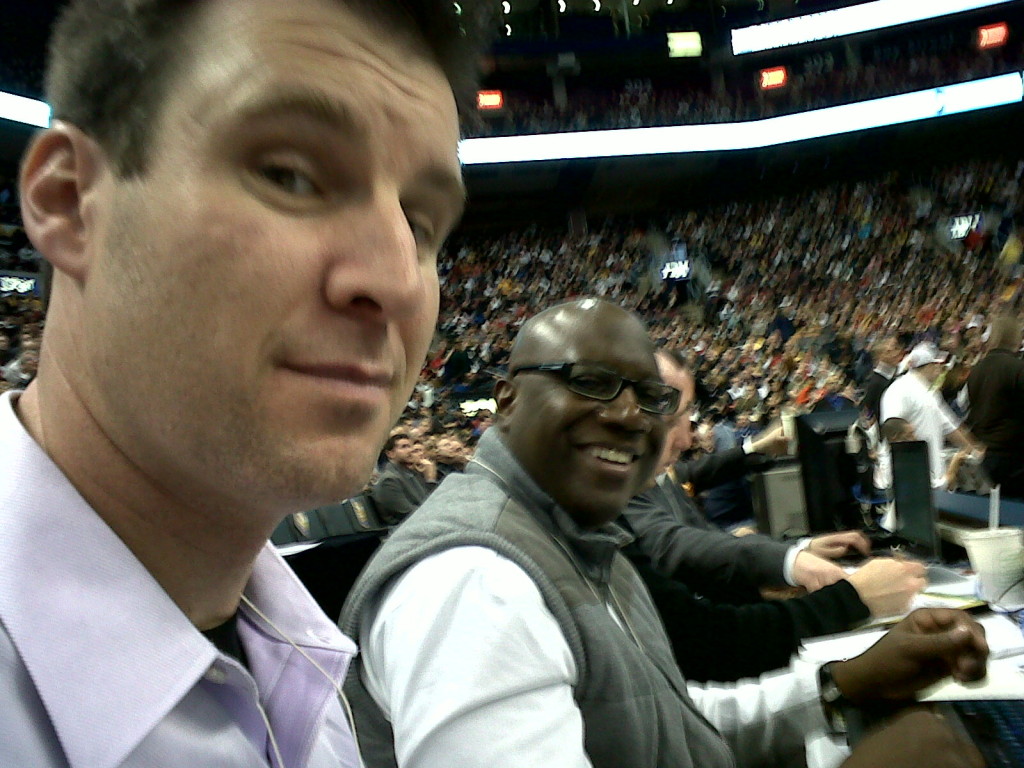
pixel 912 491
pixel 829 473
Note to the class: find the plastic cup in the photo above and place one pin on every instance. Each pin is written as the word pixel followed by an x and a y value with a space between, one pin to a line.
pixel 997 556
pixel 789 428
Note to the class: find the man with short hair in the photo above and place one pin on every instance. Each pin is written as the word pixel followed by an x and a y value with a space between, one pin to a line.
pixel 402 485
pixel 450 455
pixel 995 389
pixel 500 625
pixel 887 353
pixel 912 398
pixel 251 196
pixel 679 542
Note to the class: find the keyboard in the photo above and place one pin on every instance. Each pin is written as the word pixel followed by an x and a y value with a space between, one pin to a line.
pixel 997 728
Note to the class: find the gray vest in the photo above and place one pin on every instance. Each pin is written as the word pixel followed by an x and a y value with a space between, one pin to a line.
pixel 633 699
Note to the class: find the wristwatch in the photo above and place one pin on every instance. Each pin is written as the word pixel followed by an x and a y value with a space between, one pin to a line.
pixel 832 701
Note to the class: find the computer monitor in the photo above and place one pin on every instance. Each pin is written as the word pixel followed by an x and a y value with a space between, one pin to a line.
pixel 829 473
pixel 912 493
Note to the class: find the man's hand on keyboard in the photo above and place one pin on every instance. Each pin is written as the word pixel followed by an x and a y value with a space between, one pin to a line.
pixel 886 586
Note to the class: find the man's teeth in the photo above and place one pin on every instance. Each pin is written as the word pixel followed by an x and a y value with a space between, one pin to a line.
pixel 610 454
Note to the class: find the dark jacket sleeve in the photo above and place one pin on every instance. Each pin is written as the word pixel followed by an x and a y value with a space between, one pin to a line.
pixel 717 468
pixel 720 642
pixel 710 561
pixel 394 499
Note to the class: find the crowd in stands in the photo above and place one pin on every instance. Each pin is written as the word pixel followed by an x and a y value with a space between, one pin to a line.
pixel 822 81
pixel 799 286
pixel 795 291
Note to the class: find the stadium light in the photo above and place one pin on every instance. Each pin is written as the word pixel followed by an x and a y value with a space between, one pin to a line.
pixel 993 36
pixel 773 77
pixel 852 20
pixel 684 45
pixel 506 7
pixel 597 5
pixel 753 134
pixel 486 100
pixel 561 6
pixel 22 110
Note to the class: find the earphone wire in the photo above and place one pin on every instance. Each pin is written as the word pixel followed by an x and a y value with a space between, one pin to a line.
pixel 346 706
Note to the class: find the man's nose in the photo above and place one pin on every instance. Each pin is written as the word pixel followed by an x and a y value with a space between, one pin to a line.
pixel 375 265
pixel 625 410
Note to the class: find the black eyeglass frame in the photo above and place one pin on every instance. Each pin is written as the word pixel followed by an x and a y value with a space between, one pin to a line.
pixel 564 372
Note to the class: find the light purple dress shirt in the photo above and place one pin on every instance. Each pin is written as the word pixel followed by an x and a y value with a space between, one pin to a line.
pixel 99 668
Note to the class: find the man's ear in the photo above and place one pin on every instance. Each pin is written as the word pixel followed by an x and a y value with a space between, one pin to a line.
pixel 504 397
pixel 60 177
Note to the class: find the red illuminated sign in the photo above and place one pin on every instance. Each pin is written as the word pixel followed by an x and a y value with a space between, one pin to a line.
pixel 993 35
pixel 490 100
pixel 774 77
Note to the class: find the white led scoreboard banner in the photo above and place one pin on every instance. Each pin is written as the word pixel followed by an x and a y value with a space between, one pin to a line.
pixel 947 100
pixel 866 17
pixel 752 134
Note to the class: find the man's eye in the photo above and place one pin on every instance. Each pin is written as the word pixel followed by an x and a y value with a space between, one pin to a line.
pixel 590 381
pixel 421 230
pixel 292 181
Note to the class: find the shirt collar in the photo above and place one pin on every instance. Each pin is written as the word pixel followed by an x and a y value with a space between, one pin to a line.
pixel 494 461
pixel 107 649
pixel 885 370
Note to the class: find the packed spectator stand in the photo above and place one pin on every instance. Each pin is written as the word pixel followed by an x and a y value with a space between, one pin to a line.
pixel 796 289
pixel 787 292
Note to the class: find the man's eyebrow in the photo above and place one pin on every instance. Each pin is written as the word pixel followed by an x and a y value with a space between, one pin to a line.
pixel 313 104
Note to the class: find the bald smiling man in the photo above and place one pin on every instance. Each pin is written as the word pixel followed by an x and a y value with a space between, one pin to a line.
pixel 501 626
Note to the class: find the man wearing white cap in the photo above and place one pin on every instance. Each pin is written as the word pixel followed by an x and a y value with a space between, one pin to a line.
pixel 912 398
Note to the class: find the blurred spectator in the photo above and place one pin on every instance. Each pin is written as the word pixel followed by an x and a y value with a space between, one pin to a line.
pixel 996 413
pixel 912 399
pixel 401 486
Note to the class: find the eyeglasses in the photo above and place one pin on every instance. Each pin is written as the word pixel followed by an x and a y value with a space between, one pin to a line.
pixel 599 384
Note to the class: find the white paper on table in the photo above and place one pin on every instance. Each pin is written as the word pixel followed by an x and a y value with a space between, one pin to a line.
pixel 1003 636
pixel 1005 680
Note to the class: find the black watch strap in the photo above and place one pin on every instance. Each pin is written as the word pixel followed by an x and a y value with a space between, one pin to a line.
pixel 832 701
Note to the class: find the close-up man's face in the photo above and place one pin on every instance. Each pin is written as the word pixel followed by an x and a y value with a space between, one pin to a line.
pixel 590 456
pixel 263 295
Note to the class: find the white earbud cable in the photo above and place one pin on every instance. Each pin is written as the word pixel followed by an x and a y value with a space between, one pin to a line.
pixel 341 694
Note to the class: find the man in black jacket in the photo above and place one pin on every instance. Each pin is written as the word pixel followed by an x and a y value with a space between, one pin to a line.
pixel 887 353
pixel 995 388
pixel 676 556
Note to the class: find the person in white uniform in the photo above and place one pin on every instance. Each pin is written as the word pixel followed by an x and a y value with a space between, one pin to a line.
pixel 911 398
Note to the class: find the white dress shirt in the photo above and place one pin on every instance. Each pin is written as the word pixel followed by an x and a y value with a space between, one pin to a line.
pixel 100 669
pixel 472 670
